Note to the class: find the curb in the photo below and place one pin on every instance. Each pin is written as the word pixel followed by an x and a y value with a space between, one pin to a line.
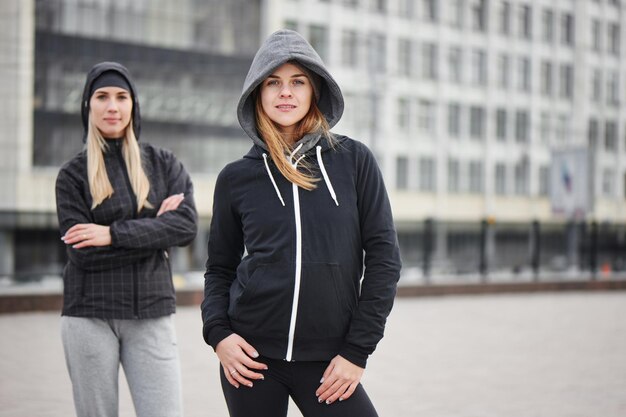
pixel 20 303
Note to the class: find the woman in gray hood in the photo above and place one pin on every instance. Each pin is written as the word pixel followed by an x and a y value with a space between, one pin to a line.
pixel 303 259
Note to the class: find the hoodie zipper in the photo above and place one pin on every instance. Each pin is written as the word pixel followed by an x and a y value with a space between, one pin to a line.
pixel 298 270
pixel 129 188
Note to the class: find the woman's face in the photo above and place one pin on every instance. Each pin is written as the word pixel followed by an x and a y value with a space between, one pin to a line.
pixel 110 110
pixel 286 97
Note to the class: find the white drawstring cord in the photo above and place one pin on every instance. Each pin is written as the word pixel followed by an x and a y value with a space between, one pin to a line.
pixel 320 161
pixel 267 167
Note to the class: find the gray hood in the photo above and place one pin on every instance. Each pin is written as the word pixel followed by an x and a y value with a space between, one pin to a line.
pixel 280 47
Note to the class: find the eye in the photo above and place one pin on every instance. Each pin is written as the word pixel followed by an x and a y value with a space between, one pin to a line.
pixel 299 81
pixel 101 96
pixel 272 82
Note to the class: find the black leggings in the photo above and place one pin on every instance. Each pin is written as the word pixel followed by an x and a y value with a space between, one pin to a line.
pixel 298 380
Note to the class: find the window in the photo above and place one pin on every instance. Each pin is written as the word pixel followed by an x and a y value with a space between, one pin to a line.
pixel 406 9
pixel 522 126
pixel 547 25
pixel 404 114
pixel 608 176
pixel 429 61
pixel 593 133
pixel 455 64
pixel 477 122
pixel 610 135
pixel 500 179
pixel 404 57
pixel 545 127
pixel 402 173
pixel 567 29
pixel 524 74
pixel 501 124
pixel 503 71
pixel 505 17
pixel 431 13
pixel 476 177
pixel 479 15
pixel 614 35
pixel 596 85
pixel 546 78
pixel 479 67
pixel 377 52
pixel 427 179
pixel 525 22
pixel 596 35
pixel 318 37
pixel 454 120
pixel 544 180
pixel 456 13
pixel 426 116
pixel 379 6
pixel 612 88
pixel 454 176
pixel 521 177
pixel 563 128
pixel 349 48
pixel 566 81
pixel 291 24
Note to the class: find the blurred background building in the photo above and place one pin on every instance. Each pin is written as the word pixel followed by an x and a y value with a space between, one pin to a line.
pixel 498 124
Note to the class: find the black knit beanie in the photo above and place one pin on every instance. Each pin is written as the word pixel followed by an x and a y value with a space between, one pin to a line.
pixel 109 79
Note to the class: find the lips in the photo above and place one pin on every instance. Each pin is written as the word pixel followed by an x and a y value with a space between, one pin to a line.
pixel 285 106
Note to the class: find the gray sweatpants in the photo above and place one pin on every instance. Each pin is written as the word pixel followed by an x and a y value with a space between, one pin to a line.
pixel 94 349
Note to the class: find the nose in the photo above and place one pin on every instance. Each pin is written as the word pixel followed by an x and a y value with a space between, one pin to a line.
pixel 112 106
pixel 285 92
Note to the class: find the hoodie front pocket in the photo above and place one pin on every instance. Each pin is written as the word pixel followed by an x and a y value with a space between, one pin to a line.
pixel 323 308
pixel 264 303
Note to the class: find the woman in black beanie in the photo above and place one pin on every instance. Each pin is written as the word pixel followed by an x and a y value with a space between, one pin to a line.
pixel 121 205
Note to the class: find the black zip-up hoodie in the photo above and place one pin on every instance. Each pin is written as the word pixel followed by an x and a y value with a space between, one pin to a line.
pixel 297 294
pixel 131 278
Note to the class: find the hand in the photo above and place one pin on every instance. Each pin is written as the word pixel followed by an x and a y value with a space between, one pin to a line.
pixel 235 356
pixel 171 203
pixel 339 380
pixel 84 235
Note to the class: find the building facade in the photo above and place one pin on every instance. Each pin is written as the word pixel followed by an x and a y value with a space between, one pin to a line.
pixel 464 103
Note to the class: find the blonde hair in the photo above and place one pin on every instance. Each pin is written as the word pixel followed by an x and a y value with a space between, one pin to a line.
pixel 279 147
pixel 99 184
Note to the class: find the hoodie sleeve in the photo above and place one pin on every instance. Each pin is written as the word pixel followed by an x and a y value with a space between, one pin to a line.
pixel 225 251
pixel 172 228
pixel 382 261
pixel 73 209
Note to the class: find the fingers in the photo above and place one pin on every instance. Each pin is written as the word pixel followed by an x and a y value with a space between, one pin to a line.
pixel 234 354
pixel 171 203
pixel 77 236
pixel 339 382
pixel 87 234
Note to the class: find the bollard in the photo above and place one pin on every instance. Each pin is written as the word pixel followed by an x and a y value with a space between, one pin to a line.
pixel 535 248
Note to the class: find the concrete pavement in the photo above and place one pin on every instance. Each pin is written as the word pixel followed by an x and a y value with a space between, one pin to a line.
pixel 524 355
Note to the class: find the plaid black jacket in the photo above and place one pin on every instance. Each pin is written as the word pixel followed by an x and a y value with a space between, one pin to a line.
pixel 131 278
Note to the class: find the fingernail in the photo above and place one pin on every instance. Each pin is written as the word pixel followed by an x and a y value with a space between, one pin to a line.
pixel 322 380
pixel 255 354
pixel 319 400
pixel 262 378
pixel 340 399
pixel 327 402
pixel 250 384
pixel 266 368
